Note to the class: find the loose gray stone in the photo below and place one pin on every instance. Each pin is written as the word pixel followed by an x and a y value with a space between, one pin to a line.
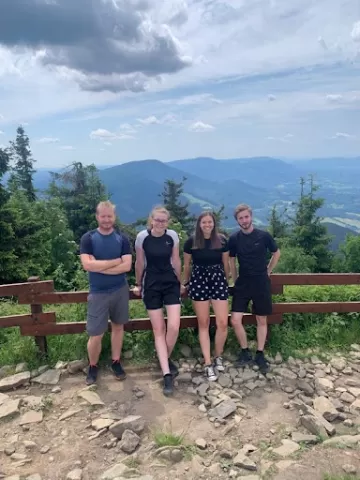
pixel 76 366
pixel 202 389
pixel 21 367
pixel 299 437
pixel 338 363
pixel 224 381
pixel 223 410
pixel 324 406
pixel 324 384
pixel 201 443
pixel 31 417
pixel 118 470
pixel 129 441
pixel 313 425
pixel 347 397
pixel 91 397
pixel 74 474
pixel 135 423
pixel 305 387
pixel 242 461
pixel 50 377
pixel 346 440
pixel 287 448
pixel 349 469
pixel 14 381
pixel 9 409
pixel 184 377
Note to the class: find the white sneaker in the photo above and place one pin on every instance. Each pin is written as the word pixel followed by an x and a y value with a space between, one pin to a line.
pixel 218 362
pixel 210 373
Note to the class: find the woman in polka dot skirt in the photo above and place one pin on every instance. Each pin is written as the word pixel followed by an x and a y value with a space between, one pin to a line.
pixel 206 274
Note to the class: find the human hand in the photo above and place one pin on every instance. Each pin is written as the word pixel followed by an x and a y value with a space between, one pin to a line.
pixel 137 291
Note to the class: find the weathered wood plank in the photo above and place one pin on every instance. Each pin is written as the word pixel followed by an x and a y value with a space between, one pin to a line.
pixel 316 307
pixel 27 288
pixel 81 296
pixel 133 325
pixel 28 319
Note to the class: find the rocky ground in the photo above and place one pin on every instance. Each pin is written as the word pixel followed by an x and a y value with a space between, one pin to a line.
pixel 303 418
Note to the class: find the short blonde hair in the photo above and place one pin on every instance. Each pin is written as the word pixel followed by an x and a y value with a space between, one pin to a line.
pixel 157 209
pixel 105 204
pixel 241 208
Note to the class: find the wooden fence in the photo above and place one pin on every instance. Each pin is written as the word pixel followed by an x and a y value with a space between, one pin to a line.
pixel 39 324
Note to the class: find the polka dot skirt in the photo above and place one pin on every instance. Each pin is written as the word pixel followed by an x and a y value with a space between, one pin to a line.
pixel 208 283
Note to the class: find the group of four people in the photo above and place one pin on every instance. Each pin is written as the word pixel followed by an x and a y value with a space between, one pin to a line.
pixel 209 263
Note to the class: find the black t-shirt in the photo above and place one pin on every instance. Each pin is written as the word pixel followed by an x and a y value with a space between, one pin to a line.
pixel 157 250
pixel 251 250
pixel 206 256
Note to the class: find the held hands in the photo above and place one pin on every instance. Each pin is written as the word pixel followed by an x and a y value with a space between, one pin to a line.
pixel 183 289
pixel 137 291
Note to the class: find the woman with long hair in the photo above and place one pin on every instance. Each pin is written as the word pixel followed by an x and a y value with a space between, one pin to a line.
pixel 206 274
pixel 158 281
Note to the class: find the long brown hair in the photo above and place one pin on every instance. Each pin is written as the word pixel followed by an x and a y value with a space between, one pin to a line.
pixel 215 237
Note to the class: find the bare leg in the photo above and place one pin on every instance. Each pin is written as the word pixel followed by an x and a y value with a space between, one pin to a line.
pixel 117 338
pixel 221 310
pixel 159 331
pixel 173 325
pixel 236 321
pixel 202 309
pixel 94 349
pixel 261 331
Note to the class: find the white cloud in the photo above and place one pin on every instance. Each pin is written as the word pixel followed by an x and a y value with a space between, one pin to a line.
pixel 200 127
pixel 102 134
pixel 355 33
pixel 285 138
pixel 153 120
pixel 66 147
pixel 48 140
pixel 196 99
pixel 342 135
pixel 334 97
pixel 2 133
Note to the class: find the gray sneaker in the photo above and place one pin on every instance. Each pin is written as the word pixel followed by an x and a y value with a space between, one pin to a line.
pixel 210 373
pixel 218 363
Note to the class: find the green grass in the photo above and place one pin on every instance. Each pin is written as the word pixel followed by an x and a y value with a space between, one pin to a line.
pixel 298 333
pixel 166 439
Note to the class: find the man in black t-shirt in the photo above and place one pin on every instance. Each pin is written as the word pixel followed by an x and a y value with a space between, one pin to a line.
pixel 251 246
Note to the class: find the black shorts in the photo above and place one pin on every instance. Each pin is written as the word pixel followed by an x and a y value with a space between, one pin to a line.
pixel 256 289
pixel 208 283
pixel 158 292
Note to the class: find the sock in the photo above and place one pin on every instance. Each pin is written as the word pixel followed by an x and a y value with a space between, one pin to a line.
pixel 245 349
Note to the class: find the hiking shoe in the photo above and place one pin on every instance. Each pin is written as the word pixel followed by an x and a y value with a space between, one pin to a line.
pixel 168 388
pixel 173 368
pixel 245 358
pixel 210 373
pixel 261 362
pixel 117 370
pixel 218 362
pixel 92 375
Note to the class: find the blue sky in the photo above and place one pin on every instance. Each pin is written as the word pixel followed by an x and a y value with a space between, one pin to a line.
pixel 135 79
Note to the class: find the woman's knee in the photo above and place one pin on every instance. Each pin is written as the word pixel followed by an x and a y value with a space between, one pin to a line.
pixel 222 324
pixel 203 323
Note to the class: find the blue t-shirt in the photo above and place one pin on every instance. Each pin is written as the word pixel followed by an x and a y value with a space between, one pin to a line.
pixel 105 247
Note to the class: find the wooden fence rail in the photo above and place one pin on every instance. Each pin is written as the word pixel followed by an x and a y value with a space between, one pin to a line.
pixel 39 324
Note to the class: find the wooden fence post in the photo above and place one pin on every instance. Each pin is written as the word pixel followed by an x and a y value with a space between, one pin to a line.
pixel 40 342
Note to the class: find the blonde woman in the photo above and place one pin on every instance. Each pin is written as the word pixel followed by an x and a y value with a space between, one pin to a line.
pixel 158 281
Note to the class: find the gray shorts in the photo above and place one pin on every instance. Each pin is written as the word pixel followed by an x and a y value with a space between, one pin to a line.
pixel 105 306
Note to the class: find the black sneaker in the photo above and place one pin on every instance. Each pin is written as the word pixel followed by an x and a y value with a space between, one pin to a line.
pixel 244 358
pixel 118 371
pixel 261 362
pixel 168 388
pixel 173 368
pixel 92 375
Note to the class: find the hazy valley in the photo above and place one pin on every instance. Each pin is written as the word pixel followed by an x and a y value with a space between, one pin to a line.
pixel 262 182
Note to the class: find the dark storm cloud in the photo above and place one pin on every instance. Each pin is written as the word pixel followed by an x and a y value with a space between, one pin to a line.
pixel 96 38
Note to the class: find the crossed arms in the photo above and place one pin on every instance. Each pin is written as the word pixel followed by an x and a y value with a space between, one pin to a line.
pixel 107 267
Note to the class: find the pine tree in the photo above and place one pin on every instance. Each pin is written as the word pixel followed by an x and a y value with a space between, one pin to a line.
pixel 7 257
pixel 308 232
pixel 171 200
pixel 80 190
pixel 278 226
pixel 22 168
